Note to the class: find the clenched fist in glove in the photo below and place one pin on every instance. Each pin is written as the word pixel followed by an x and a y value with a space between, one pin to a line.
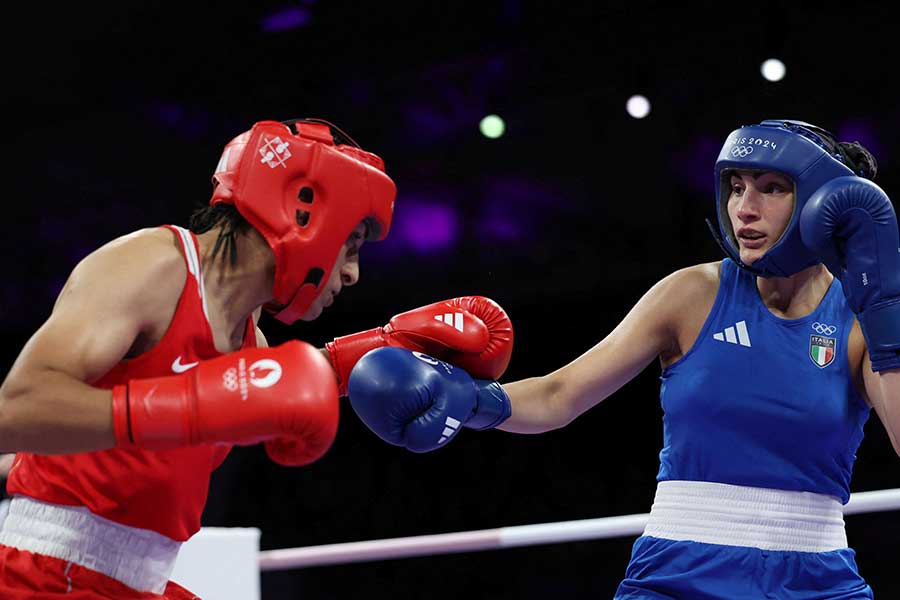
pixel 850 223
pixel 471 332
pixel 413 400
pixel 285 396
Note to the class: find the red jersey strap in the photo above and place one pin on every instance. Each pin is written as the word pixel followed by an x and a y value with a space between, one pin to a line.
pixel 191 252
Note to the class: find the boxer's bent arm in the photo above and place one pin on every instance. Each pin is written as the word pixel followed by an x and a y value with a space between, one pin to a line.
pixel 544 403
pixel 46 403
pixel 883 394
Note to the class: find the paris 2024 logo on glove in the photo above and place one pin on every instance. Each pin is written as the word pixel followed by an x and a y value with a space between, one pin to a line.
pixel 263 373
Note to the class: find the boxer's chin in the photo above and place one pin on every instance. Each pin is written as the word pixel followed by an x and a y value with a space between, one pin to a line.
pixel 313 312
pixel 750 253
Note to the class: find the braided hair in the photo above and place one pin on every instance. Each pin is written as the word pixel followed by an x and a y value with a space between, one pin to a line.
pixel 230 223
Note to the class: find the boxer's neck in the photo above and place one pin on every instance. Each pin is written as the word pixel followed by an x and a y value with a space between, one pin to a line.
pixel 235 291
pixel 795 296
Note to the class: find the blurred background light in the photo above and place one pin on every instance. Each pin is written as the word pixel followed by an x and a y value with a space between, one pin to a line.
pixel 492 127
pixel 291 17
pixel 425 225
pixel 638 106
pixel 773 69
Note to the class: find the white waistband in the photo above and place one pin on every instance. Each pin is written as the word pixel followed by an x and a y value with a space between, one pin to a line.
pixel 736 515
pixel 141 559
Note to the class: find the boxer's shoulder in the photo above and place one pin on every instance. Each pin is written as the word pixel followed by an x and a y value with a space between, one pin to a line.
pixel 688 296
pixel 152 243
pixel 142 271
pixel 698 287
pixel 705 275
pixel 692 287
pixel 146 255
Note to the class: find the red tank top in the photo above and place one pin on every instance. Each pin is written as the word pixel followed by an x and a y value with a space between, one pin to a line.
pixel 164 491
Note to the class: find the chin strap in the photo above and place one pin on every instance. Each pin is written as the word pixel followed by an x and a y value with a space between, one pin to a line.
pixel 728 251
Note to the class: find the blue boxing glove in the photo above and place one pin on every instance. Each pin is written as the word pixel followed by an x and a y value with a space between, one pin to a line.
pixel 413 400
pixel 850 223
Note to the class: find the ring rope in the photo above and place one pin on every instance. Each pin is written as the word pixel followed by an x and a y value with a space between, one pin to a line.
pixel 504 537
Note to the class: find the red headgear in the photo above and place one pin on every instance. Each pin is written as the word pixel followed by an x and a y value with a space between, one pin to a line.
pixel 305 186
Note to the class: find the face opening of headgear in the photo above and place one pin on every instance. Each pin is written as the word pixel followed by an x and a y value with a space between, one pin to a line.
pixel 809 155
pixel 304 185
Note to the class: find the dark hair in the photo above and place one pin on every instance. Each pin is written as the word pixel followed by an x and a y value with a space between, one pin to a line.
pixel 858 158
pixel 229 221
pixel 854 154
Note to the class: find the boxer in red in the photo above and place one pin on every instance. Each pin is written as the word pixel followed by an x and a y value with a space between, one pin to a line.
pixel 151 365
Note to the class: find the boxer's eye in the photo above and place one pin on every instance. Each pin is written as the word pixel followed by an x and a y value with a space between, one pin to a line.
pixel 354 242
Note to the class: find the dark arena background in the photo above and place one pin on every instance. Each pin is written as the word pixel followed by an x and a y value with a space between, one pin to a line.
pixel 114 118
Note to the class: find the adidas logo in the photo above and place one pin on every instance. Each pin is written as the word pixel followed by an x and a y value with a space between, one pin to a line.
pixel 742 337
pixel 452 425
pixel 455 320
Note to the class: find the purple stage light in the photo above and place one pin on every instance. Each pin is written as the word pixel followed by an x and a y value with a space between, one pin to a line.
pixel 426 226
pixel 695 163
pixel 429 123
pixel 864 132
pixel 513 206
pixel 287 18
pixel 514 190
pixel 500 227
pixel 502 218
pixel 190 123
pixel 168 114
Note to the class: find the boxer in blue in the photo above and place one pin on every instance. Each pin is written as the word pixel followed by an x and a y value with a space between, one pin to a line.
pixel 771 360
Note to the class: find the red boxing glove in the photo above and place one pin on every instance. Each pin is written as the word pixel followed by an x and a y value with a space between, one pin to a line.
pixel 471 332
pixel 286 393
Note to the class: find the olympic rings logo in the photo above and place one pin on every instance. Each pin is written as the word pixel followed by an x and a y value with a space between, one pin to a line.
pixel 823 329
pixel 741 151
pixel 230 380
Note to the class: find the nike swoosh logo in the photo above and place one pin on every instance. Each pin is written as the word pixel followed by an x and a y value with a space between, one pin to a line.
pixel 178 367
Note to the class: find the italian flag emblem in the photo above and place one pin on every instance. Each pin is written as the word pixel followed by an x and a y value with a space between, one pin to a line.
pixel 821 350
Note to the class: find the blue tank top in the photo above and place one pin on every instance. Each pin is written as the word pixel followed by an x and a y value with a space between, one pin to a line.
pixel 763 401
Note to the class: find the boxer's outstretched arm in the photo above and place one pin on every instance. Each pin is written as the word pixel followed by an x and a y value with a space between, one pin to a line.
pixel 650 329
pixel 47 404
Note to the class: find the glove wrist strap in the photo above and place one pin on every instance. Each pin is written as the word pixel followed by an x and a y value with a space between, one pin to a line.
pixel 880 325
pixel 121 417
pixel 346 351
pixel 159 413
pixel 492 406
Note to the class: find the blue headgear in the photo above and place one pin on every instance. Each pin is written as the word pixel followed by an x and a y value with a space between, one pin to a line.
pixel 803 152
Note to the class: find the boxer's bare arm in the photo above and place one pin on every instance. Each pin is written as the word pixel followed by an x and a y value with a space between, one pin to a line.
pixel 658 325
pixel 6 462
pixel 127 287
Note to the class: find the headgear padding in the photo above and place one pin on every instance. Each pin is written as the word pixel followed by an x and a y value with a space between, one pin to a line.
pixel 305 193
pixel 794 148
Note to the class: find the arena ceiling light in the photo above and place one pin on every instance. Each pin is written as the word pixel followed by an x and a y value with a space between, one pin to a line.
pixel 638 106
pixel 492 126
pixel 773 69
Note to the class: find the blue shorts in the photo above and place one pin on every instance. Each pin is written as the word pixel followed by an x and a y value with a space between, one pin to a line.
pixel 668 569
